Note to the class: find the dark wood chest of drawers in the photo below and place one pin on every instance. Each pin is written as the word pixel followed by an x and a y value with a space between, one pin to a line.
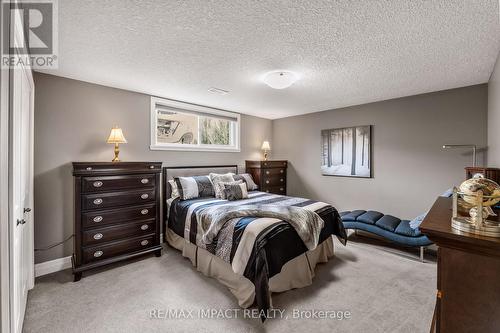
pixel 269 175
pixel 468 275
pixel 117 212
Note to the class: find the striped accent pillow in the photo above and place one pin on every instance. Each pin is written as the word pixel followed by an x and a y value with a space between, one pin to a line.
pixel 236 192
pixel 194 187
pixel 247 178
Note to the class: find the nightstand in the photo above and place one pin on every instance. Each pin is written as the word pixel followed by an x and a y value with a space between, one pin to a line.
pixel 269 175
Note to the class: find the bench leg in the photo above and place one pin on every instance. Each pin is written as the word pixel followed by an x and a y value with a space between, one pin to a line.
pixel 422 254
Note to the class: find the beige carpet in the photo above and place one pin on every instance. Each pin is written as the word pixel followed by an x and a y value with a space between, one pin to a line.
pixel 383 291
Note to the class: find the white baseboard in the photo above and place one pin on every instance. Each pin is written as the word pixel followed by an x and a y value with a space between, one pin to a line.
pixel 59 264
pixel 52 266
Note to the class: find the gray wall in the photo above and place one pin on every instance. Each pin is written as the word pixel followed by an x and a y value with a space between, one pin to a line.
pixel 73 119
pixel 410 168
pixel 72 122
pixel 494 117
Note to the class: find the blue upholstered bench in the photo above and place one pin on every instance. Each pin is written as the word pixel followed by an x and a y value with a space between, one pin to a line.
pixel 386 226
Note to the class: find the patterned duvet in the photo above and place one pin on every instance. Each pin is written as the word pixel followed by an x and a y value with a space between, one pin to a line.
pixel 255 247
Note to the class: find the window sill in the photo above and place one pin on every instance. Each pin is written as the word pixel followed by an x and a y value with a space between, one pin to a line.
pixel 206 149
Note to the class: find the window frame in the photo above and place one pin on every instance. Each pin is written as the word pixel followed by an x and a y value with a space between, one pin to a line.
pixel 192 108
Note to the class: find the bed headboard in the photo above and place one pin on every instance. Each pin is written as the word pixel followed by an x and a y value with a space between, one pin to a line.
pixel 169 173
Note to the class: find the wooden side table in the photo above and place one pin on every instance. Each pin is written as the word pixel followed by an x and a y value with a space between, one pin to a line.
pixel 468 275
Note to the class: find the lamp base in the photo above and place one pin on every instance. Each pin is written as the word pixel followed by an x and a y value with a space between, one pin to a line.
pixel 265 155
pixel 117 152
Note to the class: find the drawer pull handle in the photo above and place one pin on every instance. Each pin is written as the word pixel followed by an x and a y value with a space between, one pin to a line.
pixel 97 219
pixel 144 227
pixel 281 189
pixel 281 180
pixel 267 191
pixel 144 211
pixel 88 168
pixel 267 172
pixel 144 180
pixel 97 254
pixel 97 236
pixel 98 201
pixel 151 166
pixel 97 184
pixel 144 242
pixel 281 171
pixel 284 163
pixel 267 181
pixel 144 196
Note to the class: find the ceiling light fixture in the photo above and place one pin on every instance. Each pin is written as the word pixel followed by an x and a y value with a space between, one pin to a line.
pixel 280 79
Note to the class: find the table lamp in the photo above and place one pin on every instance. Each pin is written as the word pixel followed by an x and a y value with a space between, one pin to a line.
pixel 266 148
pixel 116 137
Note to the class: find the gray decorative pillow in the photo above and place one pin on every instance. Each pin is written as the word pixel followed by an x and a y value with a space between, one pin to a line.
pixel 219 188
pixel 236 192
pixel 218 178
pixel 194 187
pixel 247 178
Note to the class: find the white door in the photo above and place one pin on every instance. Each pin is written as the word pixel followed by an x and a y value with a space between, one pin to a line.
pixel 21 238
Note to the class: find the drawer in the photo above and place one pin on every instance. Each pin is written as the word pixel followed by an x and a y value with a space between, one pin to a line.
pixel 110 216
pixel 274 189
pixel 274 172
pixel 110 183
pixel 96 253
pixel 101 168
pixel 274 164
pixel 137 197
pixel 273 181
pixel 106 234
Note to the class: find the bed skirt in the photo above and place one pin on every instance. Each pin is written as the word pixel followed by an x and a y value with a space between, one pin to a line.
pixel 297 273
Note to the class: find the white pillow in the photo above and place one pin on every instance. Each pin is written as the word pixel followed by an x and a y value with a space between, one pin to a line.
pixel 174 191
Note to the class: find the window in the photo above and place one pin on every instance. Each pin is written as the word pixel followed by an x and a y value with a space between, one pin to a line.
pixel 184 126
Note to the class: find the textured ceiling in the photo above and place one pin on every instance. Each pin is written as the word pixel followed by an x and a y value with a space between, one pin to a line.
pixel 346 52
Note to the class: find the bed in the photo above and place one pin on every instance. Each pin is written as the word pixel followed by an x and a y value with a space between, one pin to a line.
pixel 253 255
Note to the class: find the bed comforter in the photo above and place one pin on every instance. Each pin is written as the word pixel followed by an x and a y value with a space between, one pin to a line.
pixel 255 247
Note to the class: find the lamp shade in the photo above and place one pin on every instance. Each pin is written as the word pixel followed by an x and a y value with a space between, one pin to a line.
pixel 116 136
pixel 265 145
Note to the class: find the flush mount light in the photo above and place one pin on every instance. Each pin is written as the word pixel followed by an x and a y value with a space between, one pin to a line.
pixel 280 79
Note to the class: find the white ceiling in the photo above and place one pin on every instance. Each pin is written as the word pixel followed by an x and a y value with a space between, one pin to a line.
pixel 347 52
